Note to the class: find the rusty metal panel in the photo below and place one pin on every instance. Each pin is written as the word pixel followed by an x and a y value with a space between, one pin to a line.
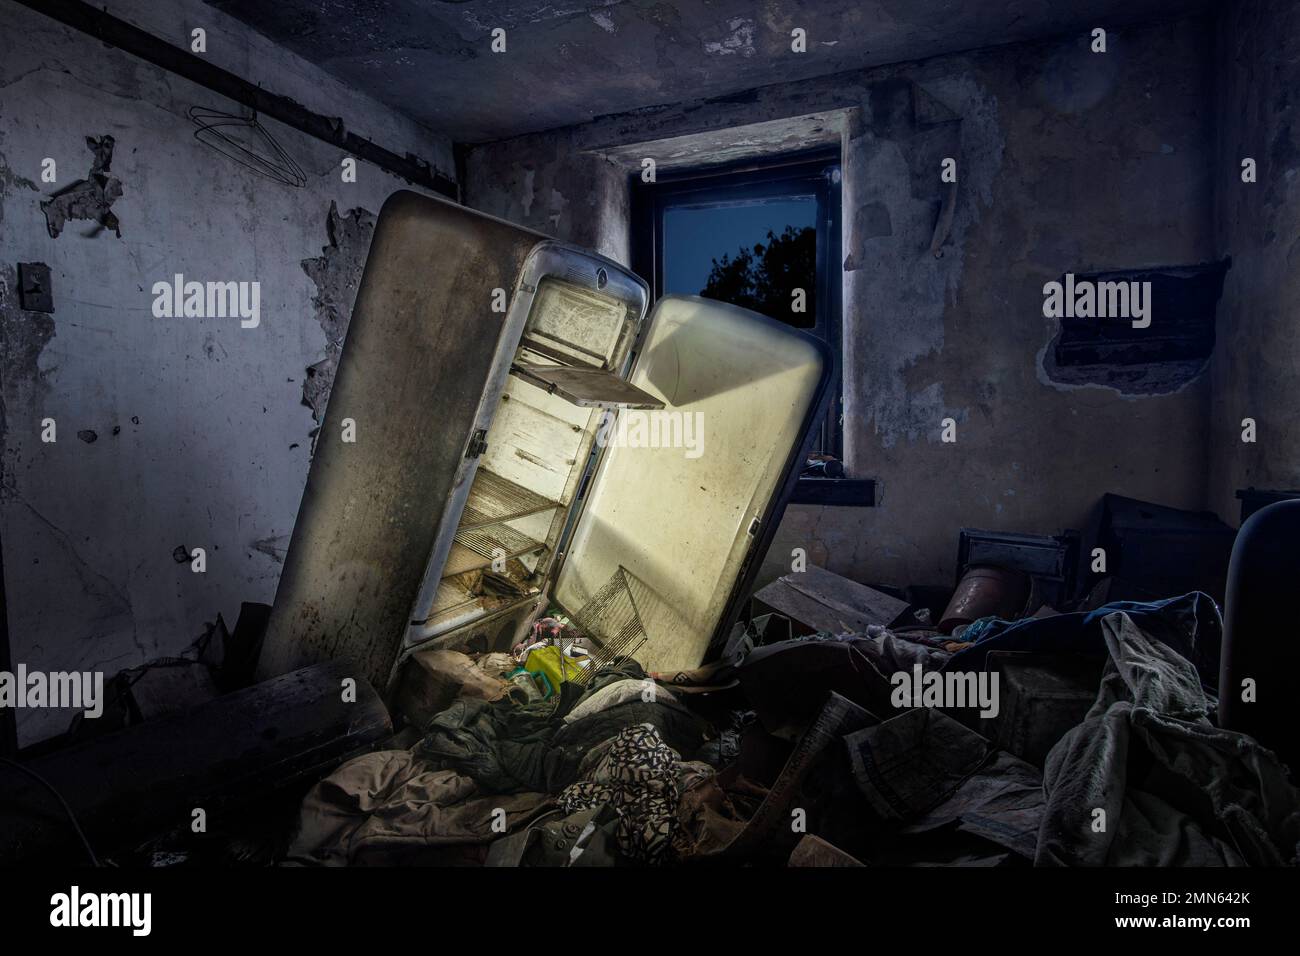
pixel 422 348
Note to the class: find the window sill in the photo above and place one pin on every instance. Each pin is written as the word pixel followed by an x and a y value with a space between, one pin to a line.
pixel 841 492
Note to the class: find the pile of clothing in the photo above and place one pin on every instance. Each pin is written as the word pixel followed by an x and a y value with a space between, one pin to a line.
pixel 797 751
pixel 486 767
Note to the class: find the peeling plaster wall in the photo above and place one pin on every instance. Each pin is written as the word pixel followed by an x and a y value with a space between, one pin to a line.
pixel 1256 366
pixel 1068 160
pixel 201 435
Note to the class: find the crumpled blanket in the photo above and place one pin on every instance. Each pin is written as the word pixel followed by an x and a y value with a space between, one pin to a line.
pixel 637 775
pixel 391 807
pixel 1175 789
pixel 507 747
pixel 1189 623
pixel 502 746
pixel 619 692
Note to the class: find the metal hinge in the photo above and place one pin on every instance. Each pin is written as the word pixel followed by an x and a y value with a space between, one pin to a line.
pixel 477 443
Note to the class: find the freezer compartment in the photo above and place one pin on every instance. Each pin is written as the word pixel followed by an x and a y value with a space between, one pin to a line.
pixel 572 324
pixel 575 345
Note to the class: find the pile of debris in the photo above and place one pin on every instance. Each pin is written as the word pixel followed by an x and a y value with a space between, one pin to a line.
pixel 1051 708
pixel 837 729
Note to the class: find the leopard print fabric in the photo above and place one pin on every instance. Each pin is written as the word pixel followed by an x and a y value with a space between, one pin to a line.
pixel 637 775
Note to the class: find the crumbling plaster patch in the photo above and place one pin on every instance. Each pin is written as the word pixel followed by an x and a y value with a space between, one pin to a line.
pixel 11 181
pixel 735 38
pixel 23 337
pixel 1131 382
pixel 337 276
pixel 90 198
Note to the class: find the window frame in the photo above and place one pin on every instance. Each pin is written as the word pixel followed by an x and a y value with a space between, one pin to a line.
pixel 793 175
pixel 813 172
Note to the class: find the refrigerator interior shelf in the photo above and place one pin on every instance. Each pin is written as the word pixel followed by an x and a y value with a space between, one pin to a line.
pixel 493 499
pixel 478 547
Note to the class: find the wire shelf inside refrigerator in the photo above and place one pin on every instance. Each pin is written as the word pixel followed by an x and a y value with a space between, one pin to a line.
pixel 493 499
pixel 478 547
pixel 612 619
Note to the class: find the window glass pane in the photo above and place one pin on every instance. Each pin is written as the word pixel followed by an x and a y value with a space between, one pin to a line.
pixel 752 253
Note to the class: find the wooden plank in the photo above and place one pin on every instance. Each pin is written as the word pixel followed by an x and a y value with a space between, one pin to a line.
pixel 825 601
pixel 225 755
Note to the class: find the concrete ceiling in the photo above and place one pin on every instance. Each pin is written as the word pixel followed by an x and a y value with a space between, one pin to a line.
pixel 567 61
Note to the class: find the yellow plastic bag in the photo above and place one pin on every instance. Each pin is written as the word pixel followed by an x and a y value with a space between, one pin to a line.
pixel 552 663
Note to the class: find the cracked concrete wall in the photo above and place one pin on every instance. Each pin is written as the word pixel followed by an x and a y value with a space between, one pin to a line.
pixel 201 434
pixel 336 273
pixel 1067 161
pixel 1256 366
pixel 550 183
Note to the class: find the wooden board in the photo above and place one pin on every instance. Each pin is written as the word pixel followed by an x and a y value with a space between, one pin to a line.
pixel 825 601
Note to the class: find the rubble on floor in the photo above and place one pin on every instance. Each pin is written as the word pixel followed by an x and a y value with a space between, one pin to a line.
pixel 795 749
pixel 1023 716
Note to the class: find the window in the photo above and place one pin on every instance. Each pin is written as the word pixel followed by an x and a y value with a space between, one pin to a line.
pixel 763 237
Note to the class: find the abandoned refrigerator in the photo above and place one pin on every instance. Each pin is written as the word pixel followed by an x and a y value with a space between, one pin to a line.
pixel 508 428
